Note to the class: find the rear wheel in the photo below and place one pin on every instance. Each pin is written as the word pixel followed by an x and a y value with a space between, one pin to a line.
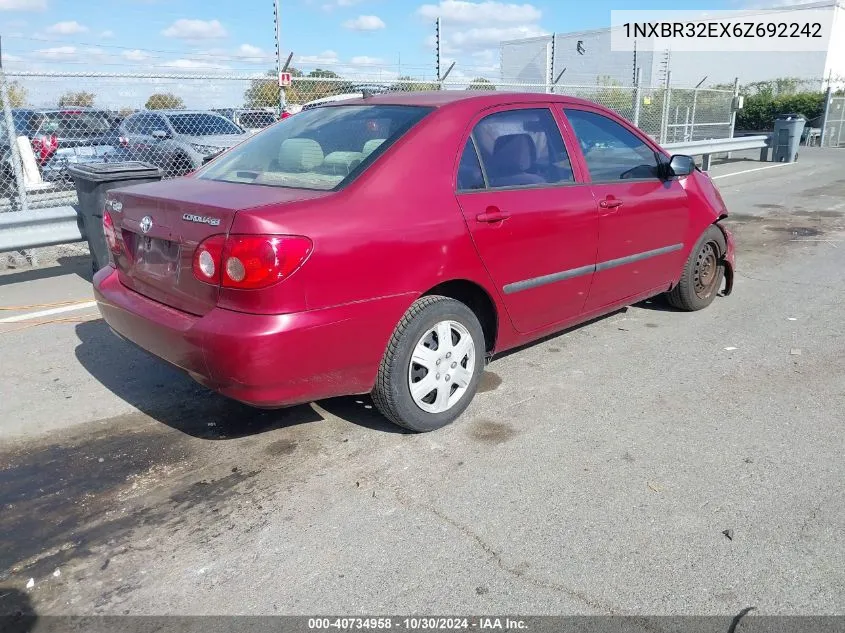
pixel 432 366
pixel 703 273
pixel 180 166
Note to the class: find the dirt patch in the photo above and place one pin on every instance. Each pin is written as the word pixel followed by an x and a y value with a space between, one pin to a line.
pixel 489 382
pixel 797 231
pixel 769 206
pixel 490 432
pixel 281 447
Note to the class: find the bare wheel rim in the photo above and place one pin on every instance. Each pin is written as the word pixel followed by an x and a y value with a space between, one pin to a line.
pixel 705 274
pixel 441 367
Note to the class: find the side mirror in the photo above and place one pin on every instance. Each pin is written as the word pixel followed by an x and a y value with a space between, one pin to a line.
pixel 681 165
pixel 160 134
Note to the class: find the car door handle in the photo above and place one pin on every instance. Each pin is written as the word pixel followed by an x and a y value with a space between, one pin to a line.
pixel 492 214
pixel 610 203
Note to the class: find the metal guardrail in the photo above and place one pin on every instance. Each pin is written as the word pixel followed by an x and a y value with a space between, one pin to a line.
pixel 707 148
pixel 45 227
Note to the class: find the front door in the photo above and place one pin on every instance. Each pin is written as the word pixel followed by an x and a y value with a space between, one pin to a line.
pixel 643 218
pixel 534 225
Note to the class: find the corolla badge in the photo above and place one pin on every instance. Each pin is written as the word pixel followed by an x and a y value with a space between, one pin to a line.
pixel 201 219
pixel 146 224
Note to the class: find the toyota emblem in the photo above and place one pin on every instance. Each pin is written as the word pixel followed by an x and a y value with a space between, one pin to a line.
pixel 146 224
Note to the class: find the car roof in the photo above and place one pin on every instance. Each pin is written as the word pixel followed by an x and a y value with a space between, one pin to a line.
pixel 483 98
pixel 177 111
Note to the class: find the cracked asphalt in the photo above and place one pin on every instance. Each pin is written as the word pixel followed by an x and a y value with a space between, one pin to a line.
pixel 597 472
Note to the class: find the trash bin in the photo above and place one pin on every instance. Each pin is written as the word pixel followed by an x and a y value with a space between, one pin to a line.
pixel 787 138
pixel 92 181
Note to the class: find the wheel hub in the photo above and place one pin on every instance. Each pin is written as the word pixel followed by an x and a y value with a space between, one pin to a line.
pixel 442 366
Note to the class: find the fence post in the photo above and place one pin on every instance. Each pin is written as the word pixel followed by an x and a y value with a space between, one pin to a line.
pixel 550 87
pixel 17 164
pixel 664 114
pixel 828 98
pixel 734 103
pixel 638 96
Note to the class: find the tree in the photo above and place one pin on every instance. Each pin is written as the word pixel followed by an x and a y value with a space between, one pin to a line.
pixel 407 83
pixel 164 101
pixel 17 95
pixel 480 83
pixel 81 99
pixel 264 93
pixel 126 111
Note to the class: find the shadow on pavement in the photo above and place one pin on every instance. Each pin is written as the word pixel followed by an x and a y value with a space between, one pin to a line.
pixel 78 265
pixel 17 614
pixel 169 396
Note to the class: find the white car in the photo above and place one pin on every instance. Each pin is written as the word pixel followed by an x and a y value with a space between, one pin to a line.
pixel 342 97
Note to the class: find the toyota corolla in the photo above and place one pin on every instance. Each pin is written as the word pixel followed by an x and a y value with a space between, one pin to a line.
pixel 393 244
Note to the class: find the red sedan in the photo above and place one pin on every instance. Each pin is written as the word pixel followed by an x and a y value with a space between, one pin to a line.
pixel 393 245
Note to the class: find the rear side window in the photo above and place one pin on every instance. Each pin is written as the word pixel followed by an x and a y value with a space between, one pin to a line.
pixel 522 147
pixel 612 152
pixel 202 124
pixel 255 120
pixel 320 149
pixel 470 176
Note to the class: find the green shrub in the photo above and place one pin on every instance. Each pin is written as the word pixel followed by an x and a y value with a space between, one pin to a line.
pixel 760 110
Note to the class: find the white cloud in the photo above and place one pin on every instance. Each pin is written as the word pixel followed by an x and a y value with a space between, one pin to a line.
pixel 12 58
pixel 484 38
pixel 136 55
pixel 195 30
pixel 365 60
pixel 67 28
pixel 107 35
pixel 192 64
pixel 365 23
pixel 251 54
pixel 463 12
pixel 56 52
pixel 23 5
pixel 326 57
pixel 336 4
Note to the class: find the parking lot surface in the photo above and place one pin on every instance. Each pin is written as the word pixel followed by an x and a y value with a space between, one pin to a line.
pixel 650 462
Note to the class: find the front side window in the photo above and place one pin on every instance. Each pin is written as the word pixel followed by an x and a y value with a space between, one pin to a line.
pixel 522 147
pixel 256 120
pixel 202 124
pixel 321 149
pixel 612 152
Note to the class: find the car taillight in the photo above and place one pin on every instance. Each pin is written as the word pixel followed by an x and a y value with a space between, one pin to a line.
pixel 44 146
pixel 109 232
pixel 284 115
pixel 249 262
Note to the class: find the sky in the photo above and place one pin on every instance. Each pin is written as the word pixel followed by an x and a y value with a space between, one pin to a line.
pixel 376 39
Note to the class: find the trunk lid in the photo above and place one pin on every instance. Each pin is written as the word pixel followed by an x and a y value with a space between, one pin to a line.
pixel 157 262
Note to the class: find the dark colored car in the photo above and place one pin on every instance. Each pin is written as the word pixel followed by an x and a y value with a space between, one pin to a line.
pixel 63 136
pixel 394 244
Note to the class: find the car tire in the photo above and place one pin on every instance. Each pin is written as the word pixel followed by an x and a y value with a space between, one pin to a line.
pixel 416 356
pixel 180 166
pixel 703 273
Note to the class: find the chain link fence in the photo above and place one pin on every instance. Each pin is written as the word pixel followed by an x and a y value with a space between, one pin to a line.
pixel 51 121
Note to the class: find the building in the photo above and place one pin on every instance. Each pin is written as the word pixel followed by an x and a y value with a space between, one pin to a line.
pixel 588 59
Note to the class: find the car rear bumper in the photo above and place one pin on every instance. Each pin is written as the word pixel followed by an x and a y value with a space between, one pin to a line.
pixel 262 360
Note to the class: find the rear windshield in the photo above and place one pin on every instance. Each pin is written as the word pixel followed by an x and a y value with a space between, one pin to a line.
pixel 318 149
pixel 199 124
pixel 255 120
pixel 75 124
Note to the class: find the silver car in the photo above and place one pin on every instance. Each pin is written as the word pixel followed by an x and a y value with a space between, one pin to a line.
pixel 178 141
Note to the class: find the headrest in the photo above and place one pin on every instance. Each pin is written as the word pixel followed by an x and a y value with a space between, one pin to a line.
pixel 300 154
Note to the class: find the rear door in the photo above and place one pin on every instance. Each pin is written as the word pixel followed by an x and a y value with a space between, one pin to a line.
pixel 642 218
pixel 534 224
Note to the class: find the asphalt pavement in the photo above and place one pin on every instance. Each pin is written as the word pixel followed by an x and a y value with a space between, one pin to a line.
pixel 650 462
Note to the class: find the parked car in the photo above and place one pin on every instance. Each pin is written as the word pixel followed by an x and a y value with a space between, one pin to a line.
pixel 62 136
pixel 177 140
pixel 316 103
pixel 394 245
pixel 249 120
